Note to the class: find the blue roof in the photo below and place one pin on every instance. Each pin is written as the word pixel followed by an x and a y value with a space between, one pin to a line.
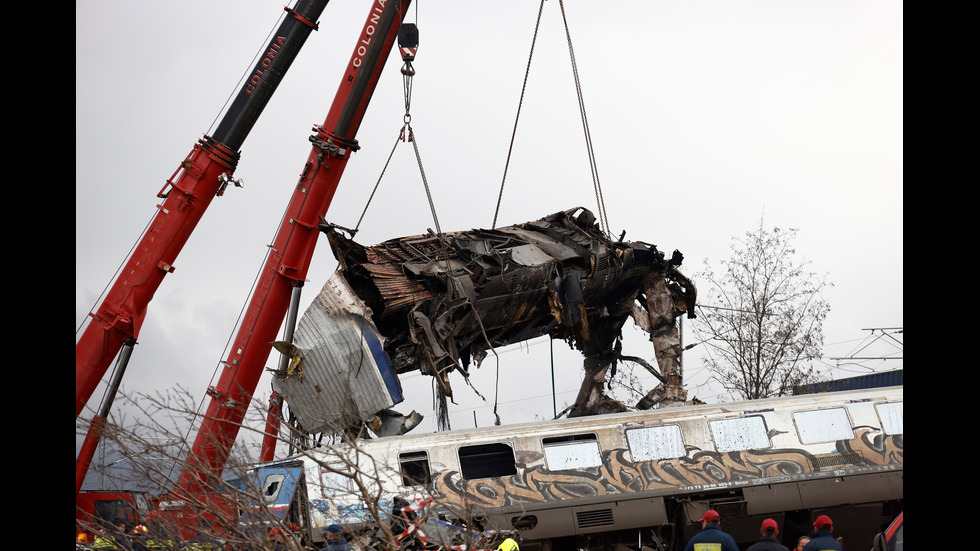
pixel 873 380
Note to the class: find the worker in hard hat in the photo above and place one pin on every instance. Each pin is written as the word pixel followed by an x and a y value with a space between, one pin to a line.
pixel 508 545
pixel 113 537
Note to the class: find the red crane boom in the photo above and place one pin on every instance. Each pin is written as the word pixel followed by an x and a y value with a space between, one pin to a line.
pixel 292 250
pixel 202 176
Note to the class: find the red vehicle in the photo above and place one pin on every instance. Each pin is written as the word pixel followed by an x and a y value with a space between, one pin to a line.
pixel 893 538
pixel 94 510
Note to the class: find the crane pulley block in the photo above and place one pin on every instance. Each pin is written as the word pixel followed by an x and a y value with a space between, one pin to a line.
pixel 408 41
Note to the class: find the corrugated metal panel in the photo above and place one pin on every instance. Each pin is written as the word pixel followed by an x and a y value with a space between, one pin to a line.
pixel 873 380
pixel 396 290
pixel 346 375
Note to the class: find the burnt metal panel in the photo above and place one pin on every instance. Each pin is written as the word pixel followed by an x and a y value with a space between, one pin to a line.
pixel 443 301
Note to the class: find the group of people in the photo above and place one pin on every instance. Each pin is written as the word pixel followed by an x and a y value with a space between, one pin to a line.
pixel 333 534
pixel 116 537
pixel 710 538
pixel 713 538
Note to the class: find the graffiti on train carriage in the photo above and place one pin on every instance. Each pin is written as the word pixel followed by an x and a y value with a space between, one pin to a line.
pixel 614 473
pixel 869 450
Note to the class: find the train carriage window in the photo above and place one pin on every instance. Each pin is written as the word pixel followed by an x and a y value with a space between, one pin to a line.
pixel 892 417
pixel 577 451
pixel 335 478
pixel 414 468
pixel 824 425
pixel 655 443
pixel 271 487
pixel 744 433
pixel 487 461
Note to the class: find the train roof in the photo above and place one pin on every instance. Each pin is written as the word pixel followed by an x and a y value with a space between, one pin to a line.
pixel 673 413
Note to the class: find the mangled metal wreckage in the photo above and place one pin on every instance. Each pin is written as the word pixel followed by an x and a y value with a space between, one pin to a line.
pixel 439 303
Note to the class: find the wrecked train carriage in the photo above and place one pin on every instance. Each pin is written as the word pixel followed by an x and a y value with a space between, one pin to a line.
pixel 441 301
pixel 606 481
pixel 438 303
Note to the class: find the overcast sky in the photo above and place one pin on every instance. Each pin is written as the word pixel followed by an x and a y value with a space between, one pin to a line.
pixel 705 117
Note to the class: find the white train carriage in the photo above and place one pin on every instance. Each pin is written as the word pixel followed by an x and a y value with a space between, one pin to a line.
pixel 637 478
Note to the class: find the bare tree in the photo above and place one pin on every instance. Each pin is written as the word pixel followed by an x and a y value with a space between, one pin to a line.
pixel 763 316
pixel 148 439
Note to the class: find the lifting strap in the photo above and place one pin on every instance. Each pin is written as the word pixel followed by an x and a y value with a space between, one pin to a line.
pixel 408 39
pixel 597 187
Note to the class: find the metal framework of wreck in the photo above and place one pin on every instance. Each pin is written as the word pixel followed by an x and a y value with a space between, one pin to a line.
pixel 440 302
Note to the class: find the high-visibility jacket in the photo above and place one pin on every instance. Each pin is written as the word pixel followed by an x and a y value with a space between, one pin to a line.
pixel 202 542
pixel 164 544
pixel 103 541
